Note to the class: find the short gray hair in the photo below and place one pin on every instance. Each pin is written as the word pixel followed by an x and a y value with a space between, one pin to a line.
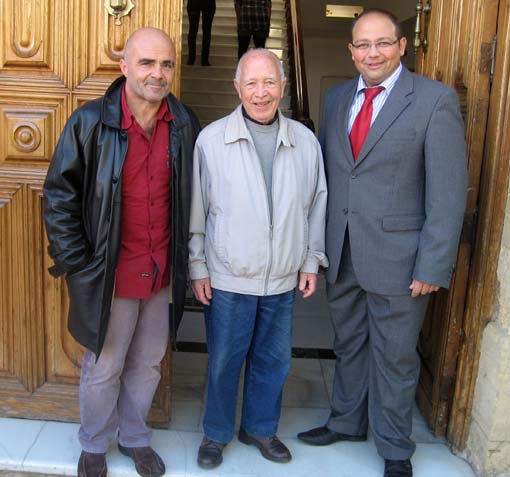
pixel 263 51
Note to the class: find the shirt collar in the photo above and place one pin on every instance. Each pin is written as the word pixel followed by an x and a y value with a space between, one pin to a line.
pixel 387 84
pixel 236 129
pixel 128 117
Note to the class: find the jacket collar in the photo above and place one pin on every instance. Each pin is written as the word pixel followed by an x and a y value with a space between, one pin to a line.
pixel 236 129
pixel 111 113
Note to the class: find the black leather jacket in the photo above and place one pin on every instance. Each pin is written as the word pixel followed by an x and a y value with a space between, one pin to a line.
pixel 82 209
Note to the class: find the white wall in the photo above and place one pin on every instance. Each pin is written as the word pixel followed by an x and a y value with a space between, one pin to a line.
pixel 327 61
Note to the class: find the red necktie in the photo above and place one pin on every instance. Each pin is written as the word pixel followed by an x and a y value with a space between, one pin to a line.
pixel 361 124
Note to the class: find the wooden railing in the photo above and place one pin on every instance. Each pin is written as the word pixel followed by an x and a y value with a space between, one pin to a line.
pixel 297 73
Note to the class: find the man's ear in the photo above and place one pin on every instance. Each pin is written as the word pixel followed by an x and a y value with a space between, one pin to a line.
pixel 123 67
pixel 284 84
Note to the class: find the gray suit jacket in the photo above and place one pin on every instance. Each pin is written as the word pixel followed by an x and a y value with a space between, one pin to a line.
pixel 404 197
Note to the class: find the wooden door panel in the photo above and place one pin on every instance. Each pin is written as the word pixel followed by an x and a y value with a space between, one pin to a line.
pixel 55 56
pixel 29 126
pixel 456 57
pixel 34 45
pixel 103 41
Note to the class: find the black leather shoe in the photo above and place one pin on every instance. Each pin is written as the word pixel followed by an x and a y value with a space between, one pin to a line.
pixel 271 448
pixel 147 462
pixel 210 453
pixel 92 465
pixel 322 436
pixel 398 468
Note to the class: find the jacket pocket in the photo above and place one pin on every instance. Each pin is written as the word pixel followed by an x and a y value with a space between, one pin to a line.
pixel 397 223
pixel 219 238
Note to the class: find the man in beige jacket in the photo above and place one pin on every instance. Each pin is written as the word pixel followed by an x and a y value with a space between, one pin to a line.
pixel 257 231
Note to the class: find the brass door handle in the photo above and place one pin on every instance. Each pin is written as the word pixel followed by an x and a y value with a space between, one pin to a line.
pixel 119 9
pixel 422 9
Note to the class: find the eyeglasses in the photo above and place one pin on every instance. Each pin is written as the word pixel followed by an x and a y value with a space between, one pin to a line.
pixel 379 45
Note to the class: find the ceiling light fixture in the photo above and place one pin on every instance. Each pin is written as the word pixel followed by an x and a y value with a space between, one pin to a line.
pixel 343 11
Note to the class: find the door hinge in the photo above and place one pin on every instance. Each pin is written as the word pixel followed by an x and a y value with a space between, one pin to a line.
pixel 487 58
pixel 493 59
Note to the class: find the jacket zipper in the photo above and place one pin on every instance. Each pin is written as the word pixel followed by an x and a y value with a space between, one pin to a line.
pixel 271 221
pixel 266 284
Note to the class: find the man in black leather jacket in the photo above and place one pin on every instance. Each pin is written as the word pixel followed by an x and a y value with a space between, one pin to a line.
pixel 117 198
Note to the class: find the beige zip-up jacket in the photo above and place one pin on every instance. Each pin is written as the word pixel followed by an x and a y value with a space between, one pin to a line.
pixel 233 240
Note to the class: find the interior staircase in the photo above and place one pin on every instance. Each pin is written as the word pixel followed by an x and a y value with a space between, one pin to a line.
pixel 208 90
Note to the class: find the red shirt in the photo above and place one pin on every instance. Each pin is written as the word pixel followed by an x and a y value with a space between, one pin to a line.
pixel 143 265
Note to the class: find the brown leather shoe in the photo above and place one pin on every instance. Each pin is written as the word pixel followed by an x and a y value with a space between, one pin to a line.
pixel 271 448
pixel 147 462
pixel 210 453
pixel 92 465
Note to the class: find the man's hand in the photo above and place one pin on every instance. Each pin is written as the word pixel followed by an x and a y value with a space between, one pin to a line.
pixel 202 290
pixel 307 283
pixel 421 288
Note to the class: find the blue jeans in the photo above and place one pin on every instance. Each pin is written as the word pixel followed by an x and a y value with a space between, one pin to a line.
pixel 256 330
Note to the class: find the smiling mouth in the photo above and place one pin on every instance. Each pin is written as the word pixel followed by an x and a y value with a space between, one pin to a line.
pixel 373 66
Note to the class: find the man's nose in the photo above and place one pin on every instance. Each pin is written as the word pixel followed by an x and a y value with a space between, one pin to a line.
pixel 260 89
pixel 157 71
pixel 373 50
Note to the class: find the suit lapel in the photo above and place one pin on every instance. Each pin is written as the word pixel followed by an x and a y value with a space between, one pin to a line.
pixel 342 119
pixel 397 101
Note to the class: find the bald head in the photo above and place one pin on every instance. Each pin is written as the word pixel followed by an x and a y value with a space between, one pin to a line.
pixel 258 53
pixel 147 36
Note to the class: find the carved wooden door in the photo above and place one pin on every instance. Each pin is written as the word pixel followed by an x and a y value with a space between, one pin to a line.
pixel 54 56
pixel 460 50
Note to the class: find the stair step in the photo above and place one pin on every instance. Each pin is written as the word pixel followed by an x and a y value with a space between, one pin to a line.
pixel 228 50
pixel 197 71
pixel 230 39
pixel 223 16
pixel 227 61
pixel 212 99
pixel 276 31
pixel 207 84
pixel 278 5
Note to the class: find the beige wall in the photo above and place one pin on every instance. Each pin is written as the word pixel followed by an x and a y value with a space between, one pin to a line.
pixel 488 447
pixel 327 62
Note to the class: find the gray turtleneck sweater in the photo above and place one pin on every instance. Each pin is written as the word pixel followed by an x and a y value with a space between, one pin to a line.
pixel 264 137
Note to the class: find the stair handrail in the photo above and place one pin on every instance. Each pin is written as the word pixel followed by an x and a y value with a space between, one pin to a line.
pixel 297 73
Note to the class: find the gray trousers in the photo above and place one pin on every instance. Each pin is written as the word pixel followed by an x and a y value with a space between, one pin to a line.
pixel 377 365
pixel 116 392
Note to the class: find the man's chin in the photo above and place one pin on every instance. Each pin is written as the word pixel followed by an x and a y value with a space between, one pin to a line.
pixel 155 98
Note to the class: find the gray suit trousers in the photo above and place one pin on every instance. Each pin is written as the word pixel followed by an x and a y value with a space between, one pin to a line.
pixel 377 366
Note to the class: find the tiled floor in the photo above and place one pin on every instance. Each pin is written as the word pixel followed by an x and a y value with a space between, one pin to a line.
pixel 52 448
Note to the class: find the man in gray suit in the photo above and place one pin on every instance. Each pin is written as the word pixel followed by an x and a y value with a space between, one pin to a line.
pixel 395 158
